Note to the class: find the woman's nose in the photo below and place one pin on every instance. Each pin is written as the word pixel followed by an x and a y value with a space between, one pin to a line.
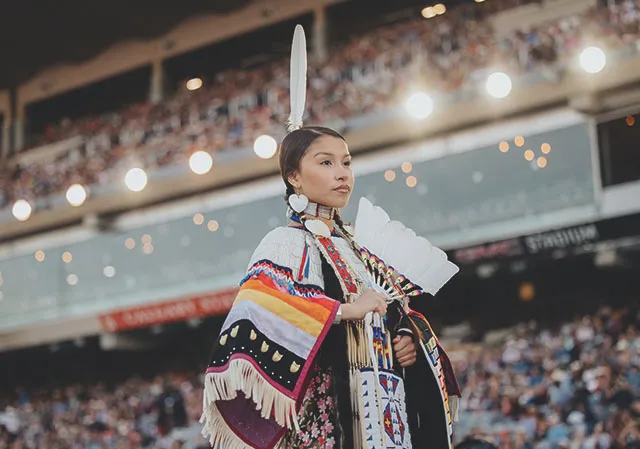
pixel 343 174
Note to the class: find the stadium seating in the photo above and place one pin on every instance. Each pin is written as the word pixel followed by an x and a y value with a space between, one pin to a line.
pixel 362 77
pixel 572 386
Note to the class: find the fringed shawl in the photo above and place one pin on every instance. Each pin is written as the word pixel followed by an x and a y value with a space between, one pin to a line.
pixel 260 365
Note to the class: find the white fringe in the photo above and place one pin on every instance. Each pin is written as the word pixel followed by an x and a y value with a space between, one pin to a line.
pixel 454 407
pixel 357 407
pixel 217 432
pixel 242 376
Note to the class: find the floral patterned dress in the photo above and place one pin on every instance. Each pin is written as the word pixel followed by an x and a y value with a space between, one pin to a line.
pixel 318 417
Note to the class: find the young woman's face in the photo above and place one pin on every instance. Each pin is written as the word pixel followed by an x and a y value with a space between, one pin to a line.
pixel 324 174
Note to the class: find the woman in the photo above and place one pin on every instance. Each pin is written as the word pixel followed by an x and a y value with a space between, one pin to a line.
pixel 284 372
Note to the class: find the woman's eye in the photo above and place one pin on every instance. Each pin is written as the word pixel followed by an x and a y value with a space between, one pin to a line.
pixel 347 163
pixel 325 163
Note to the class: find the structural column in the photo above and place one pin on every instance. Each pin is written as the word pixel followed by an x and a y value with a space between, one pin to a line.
pixel 156 88
pixel 6 135
pixel 5 112
pixel 19 126
pixel 7 119
pixel 320 33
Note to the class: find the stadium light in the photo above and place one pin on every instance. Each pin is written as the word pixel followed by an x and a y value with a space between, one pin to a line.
pixel 22 210
pixel 499 85
pixel 593 59
pixel 265 146
pixel 420 105
pixel 194 84
pixel 136 179
pixel 76 195
pixel 439 9
pixel 200 162
pixel 428 12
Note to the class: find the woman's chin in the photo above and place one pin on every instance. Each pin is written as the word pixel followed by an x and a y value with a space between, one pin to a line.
pixel 337 200
pixel 338 204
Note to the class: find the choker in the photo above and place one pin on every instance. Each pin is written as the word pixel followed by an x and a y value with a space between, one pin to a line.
pixel 318 210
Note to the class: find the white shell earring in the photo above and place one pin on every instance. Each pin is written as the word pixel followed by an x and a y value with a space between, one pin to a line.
pixel 298 202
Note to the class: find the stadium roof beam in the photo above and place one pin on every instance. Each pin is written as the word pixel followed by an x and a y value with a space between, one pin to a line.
pixel 187 36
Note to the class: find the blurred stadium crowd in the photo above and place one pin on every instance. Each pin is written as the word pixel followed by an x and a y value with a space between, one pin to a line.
pixel 366 75
pixel 576 386
pixel 159 413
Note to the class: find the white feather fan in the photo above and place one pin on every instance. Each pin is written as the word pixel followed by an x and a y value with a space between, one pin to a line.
pixel 298 79
pixel 397 246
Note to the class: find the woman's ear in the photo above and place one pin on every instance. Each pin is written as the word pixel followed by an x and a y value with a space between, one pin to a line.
pixel 294 180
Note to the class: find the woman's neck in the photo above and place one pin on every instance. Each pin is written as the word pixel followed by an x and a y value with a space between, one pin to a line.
pixel 315 210
pixel 325 214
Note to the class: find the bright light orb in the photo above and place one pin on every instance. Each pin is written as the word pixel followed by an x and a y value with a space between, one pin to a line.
pixel 72 279
pixel 194 84
pixel 136 179
pixel 76 195
pixel 265 147
pixel 22 210
pixel 428 12
pixel 499 85
pixel 420 105
pixel 593 60
pixel 200 162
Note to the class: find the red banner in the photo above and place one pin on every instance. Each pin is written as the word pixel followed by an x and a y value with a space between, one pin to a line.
pixel 168 311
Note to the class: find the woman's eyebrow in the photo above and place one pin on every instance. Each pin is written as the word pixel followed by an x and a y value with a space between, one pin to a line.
pixel 324 153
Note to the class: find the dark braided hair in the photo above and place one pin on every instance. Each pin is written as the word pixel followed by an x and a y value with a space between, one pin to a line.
pixel 343 228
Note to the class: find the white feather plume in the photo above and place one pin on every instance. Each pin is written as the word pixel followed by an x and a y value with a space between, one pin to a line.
pixel 298 79
pixel 398 246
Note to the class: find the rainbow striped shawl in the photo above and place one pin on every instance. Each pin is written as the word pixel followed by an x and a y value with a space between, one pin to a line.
pixel 260 365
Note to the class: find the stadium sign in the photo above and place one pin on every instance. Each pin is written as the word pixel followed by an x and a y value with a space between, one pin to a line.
pixel 168 311
pixel 545 243
pixel 562 238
